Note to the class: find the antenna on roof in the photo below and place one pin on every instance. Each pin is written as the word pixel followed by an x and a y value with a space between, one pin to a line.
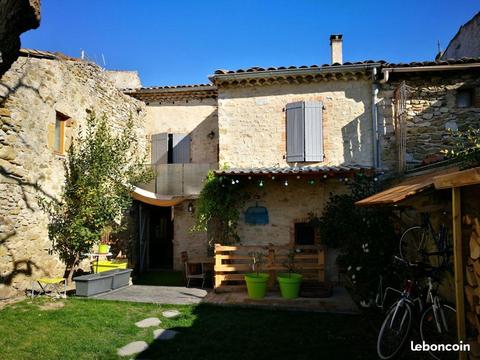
pixel 104 62
pixel 439 49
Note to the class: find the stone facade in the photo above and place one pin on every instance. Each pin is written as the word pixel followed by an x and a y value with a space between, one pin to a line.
pixel 16 17
pixel 33 91
pixel 431 110
pixel 196 117
pixel 466 43
pixel 253 131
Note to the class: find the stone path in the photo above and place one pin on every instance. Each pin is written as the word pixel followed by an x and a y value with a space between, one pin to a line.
pixel 170 314
pixel 164 334
pixel 136 347
pixel 132 348
pixel 153 321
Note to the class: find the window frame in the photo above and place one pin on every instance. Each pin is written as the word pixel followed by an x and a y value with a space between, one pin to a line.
pixel 60 119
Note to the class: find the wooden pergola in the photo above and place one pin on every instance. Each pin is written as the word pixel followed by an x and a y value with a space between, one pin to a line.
pixel 453 179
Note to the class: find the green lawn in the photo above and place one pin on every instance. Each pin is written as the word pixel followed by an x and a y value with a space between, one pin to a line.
pixel 94 329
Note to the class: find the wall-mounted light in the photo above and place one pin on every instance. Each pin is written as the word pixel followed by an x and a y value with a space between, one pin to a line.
pixel 191 208
pixel 211 135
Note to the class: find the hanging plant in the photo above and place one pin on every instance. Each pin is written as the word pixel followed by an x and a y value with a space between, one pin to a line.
pixel 218 208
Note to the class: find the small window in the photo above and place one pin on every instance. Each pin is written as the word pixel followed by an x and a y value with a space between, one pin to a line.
pixel 304 131
pixel 464 98
pixel 304 234
pixel 59 137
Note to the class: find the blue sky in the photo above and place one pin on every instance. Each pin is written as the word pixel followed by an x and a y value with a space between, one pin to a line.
pixel 182 42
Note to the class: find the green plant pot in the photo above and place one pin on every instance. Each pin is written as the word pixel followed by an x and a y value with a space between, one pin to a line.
pixel 289 285
pixel 103 249
pixel 256 285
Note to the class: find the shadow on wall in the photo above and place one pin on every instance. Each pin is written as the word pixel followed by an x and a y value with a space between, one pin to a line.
pixel 14 176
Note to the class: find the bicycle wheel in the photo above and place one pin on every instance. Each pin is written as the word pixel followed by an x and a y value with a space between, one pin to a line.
pixel 443 332
pixel 415 243
pixel 394 331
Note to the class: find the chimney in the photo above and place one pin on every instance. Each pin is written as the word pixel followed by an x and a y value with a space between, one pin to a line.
pixel 336 47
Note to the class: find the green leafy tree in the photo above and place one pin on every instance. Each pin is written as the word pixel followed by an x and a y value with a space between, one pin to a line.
pixel 100 168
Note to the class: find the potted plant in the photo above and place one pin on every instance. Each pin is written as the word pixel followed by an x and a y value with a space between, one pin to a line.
pixel 290 282
pixel 256 281
pixel 104 246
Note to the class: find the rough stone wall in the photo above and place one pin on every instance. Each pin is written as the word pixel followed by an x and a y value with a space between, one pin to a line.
pixel 286 206
pixel 34 89
pixel 197 118
pixel 195 243
pixel 466 43
pixel 252 122
pixel 431 110
pixel 124 79
pixel 16 17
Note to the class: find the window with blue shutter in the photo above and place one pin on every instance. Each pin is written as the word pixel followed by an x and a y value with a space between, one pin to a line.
pixel 170 148
pixel 159 148
pixel 181 149
pixel 304 131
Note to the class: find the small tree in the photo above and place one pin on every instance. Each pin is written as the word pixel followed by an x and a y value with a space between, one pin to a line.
pixel 99 172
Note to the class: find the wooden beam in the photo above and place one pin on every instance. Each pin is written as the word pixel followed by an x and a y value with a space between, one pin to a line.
pixel 459 266
pixel 460 178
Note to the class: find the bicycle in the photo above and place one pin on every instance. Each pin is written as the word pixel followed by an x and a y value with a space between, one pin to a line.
pixel 437 321
pixel 420 243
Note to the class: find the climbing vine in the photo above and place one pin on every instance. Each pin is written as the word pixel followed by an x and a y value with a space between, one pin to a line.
pixel 218 208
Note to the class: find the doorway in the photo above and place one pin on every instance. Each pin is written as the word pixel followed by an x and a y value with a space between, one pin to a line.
pixel 155 238
pixel 160 239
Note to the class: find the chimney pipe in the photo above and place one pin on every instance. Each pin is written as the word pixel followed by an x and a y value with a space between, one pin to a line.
pixel 336 48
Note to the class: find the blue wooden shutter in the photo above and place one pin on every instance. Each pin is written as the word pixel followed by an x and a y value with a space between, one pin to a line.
pixel 313 131
pixel 295 132
pixel 181 148
pixel 159 148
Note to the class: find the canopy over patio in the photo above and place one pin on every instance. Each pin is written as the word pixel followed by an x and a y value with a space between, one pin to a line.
pixel 149 197
pixel 297 170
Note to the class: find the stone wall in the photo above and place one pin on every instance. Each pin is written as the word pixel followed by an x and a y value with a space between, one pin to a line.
pixel 252 122
pixel 124 79
pixel 286 206
pixel 197 117
pixel 194 242
pixel 34 90
pixel 466 43
pixel 16 17
pixel 431 111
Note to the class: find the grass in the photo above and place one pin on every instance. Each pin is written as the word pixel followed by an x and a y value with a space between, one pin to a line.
pixel 94 329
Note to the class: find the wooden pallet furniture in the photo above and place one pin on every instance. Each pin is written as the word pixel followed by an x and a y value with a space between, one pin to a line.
pixel 232 262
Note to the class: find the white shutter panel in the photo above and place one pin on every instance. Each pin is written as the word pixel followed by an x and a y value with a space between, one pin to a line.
pixel 313 131
pixel 295 132
pixel 181 148
pixel 159 148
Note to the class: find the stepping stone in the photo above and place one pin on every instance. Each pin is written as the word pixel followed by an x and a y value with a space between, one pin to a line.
pixel 132 348
pixel 163 334
pixel 171 313
pixel 153 321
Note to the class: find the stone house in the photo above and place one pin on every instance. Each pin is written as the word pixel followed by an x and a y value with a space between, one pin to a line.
pixel 295 135
pixel 44 99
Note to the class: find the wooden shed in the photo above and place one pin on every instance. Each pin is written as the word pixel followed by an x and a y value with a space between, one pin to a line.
pixel 464 186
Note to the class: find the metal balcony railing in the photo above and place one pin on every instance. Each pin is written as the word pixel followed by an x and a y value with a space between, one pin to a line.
pixel 178 179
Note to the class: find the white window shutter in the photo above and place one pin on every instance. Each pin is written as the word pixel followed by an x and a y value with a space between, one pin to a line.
pixel 313 131
pixel 159 148
pixel 295 132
